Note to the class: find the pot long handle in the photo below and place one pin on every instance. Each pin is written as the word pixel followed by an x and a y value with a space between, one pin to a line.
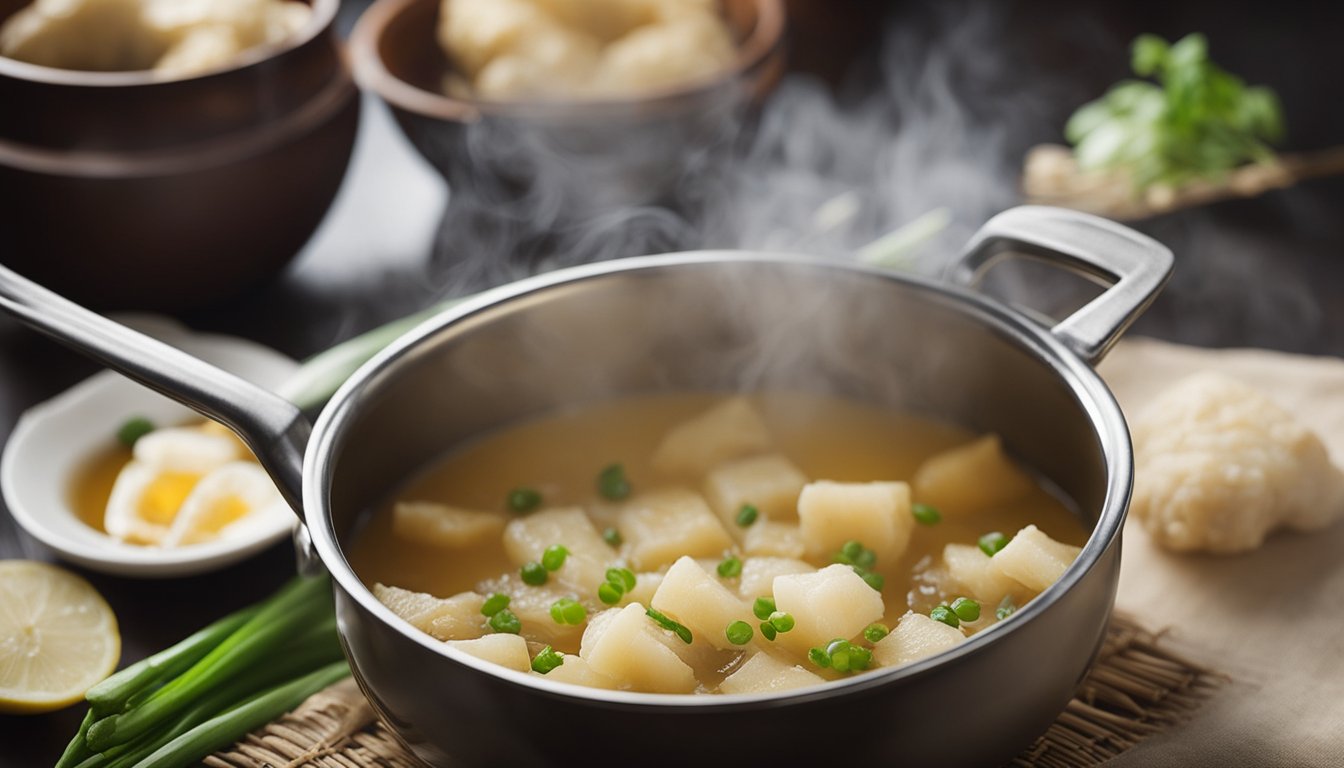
pixel 1136 265
pixel 272 427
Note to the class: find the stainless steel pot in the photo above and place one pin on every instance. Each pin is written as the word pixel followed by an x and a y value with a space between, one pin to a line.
pixel 725 321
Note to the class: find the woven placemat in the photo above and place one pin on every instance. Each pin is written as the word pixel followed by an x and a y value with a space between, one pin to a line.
pixel 1137 688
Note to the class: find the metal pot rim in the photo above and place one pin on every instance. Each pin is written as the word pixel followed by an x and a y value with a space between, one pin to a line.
pixel 1092 394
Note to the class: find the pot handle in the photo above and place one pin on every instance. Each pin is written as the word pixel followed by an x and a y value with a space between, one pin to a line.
pixel 1135 265
pixel 272 427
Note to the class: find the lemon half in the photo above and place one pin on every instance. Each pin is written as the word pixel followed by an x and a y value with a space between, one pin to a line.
pixel 58 637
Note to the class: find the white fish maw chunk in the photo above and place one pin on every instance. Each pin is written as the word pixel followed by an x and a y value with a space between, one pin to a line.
pixel 970 478
pixel 915 637
pixel 833 602
pixel 767 538
pixel 576 671
pixel 770 483
pixel 1033 559
pixel 691 596
pixel 526 538
pixel 444 526
pixel 758 574
pixel 620 644
pixel 875 514
pixel 454 618
pixel 661 526
pixel 763 673
pixel 969 570
pixel 503 649
pixel 730 430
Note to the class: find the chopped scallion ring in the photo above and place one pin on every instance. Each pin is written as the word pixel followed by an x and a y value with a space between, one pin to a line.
pixel 534 574
pixel 739 633
pixel 747 515
pixel 875 632
pixel 763 607
pixel 730 567
pixel 554 557
pixel 611 536
pixel 523 499
pixel 612 482
pixel 506 621
pixel 569 611
pixel 133 430
pixel 944 614
pixel 926 514
pixel 768 630
pixel 991 543
pixel 781 621
pixel 547 660
pixel 664 621
pixel 494 604
pixel 966 609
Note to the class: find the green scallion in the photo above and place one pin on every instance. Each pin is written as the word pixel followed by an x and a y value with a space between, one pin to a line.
pixel 554 557
pixel 768 630
pixel 966 609
pixel 621 577
pixel 875 632
pixel 926 514
pixel 609 593
pixel 666 622
pixel 763 607
pixel 133 430
pixel 494 604
pixel 1006 608
pixel 506 621
pixel 534 574
pixel 818 657
pixel 611 536
pixel 523 499
pixel 873 579
pixel 992 542
pixel 546 660
pixel 612 482
pixel 781 621
pixel 569 611
pixel 739 633
pixel 730 567
pixel 747 514
pixel 944 614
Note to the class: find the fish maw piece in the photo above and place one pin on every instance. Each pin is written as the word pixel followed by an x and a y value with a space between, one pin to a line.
pixel 763 673
pixel 526 538
pixel 454 618
pixel 768 538
pixel 758 574
pixel 661 526
pixel 691 596
pixel 970 478
pixel 502 648
pixel 729 430
pixel 623 647
pixel 833 602
pixel 969 569
pixel 874 514
pixel 769 483
pixel 444 526
pixel 576 671
pixel 1033 559
pixel 915 637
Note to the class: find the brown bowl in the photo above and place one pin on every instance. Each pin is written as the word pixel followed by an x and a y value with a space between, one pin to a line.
pixel 129 190
pixel 582 155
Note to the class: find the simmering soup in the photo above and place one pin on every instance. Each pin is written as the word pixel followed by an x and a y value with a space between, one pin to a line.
pixel 693 543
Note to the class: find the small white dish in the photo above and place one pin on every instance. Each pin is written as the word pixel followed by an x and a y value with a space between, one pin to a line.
pixel 54 439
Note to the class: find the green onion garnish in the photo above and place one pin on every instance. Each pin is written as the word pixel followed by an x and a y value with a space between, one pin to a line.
pixel 1006 608
pixel 874 580
pixel 926 514
pixel 547 660
pixel 611 536
pixel 523 499
pixel 612 482
pixel 730 568
pixel 506 621
pixel 569 611
pixel 966 609
pixel 554 557
pixel 133 430
pixel 747 515
pixel 609 593
pixel 944 614
pixel 781 621
pixel 622 577
pixel 875 632
pixel 494 604
pixel 534 574
pixel 763 607
pixel 667 623
pixel 768 630
pixel 739 633
pixel 818 657
pixel 992 542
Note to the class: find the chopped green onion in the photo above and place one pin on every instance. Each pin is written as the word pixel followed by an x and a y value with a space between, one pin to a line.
pixel 739 633
pixel 992 542
pixel 547 660
pixel 926 514
pixel 611 536
pixel 763 607
pixel 495 603
pixel 667 623
pixel 612 482
pixel 966 609
pixel 768 630
pixel 747 515
pixel 569 611
pixel 859 658
pixel 839 651
pixel 534 574
pixel 506 621
pixel 875 632
pixel 621 577
pixel 609 593
pixel 874 580
pixel 730 568
pixel 1006 608
pixel 133 430
pixel 850 553
pixel 554 557
pixel 524 499
pixel 944 614
pixel 781 621
pixel 818 657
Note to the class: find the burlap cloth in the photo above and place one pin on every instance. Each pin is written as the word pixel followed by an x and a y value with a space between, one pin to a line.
pixel 1271 620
